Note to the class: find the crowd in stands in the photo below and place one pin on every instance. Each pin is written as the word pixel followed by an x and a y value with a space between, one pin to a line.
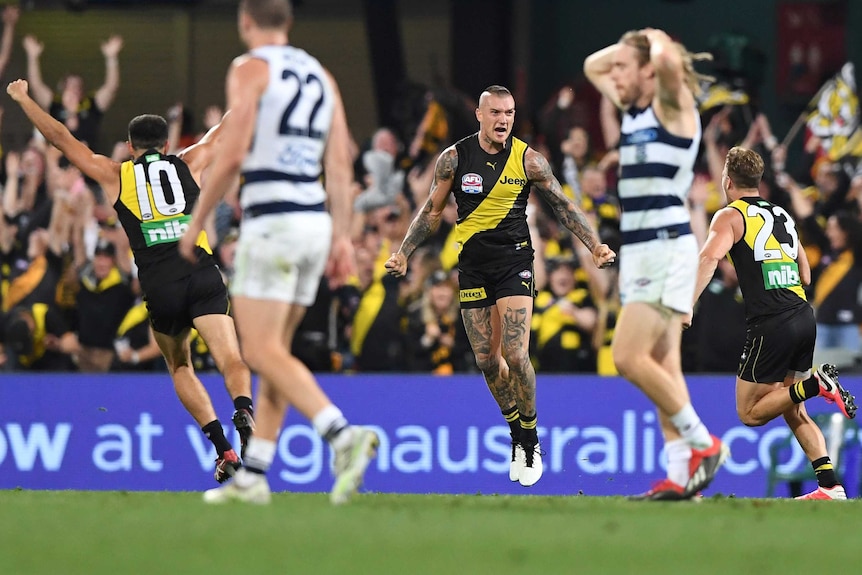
pixel 70 299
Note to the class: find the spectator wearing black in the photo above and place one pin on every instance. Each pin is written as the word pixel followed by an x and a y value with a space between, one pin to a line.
pixel 104 298
pixel 564 319
pixel 37 338
pixel 135 346
pixel 719 332
pixel 79 110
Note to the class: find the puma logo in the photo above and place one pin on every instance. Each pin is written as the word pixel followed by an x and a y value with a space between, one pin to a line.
pixel 492 164
pixel 526 285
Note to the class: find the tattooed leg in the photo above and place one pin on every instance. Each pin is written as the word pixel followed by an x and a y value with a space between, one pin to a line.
pixel 485 341
pixel 516 315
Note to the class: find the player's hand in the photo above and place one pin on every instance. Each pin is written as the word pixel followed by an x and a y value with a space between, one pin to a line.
pixel 396 265
pixel 342 262
pixel 188 242
pixel 603 256
pixel 17 90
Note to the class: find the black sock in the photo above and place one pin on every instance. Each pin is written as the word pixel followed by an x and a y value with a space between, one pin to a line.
pixel 802 390
pixel 335 430
pixel 529 435
pixel 825 472
pixel 214 432
pixel 513 418
pixel 243 402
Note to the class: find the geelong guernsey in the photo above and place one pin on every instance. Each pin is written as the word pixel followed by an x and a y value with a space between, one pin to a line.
pixel 656 172
pixel 283 168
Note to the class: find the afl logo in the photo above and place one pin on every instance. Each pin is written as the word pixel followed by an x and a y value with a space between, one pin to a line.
pixel 471 184
pixel 526 274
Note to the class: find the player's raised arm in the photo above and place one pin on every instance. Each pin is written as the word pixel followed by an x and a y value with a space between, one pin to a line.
pixel 428 218
pixel 667 62
pixel 598 67
pixel 570 215
pixel 100 168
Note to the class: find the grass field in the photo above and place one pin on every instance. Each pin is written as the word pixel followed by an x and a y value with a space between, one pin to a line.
pixel 71 532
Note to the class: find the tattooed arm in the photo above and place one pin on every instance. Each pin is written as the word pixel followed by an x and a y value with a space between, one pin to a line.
pixel 428 218
pixel 570 215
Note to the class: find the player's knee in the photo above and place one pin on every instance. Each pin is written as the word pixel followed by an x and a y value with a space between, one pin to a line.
pixel 488 365
pixel 624 362
pixel 519 362
pixel 750 418
pixel 254 354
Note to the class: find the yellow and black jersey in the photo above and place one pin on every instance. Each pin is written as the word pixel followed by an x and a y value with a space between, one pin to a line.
pixel 157 194
pixel 765 259
pixel 491 192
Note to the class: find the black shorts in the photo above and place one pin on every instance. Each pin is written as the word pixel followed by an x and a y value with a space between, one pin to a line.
pixel 174 304
pixel 778 345
pixel 483 287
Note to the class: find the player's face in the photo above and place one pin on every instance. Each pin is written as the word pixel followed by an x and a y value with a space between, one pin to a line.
pixel 496 115
pixel 629 78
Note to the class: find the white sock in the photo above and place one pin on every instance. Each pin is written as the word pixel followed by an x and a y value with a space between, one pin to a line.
pixel 259 454
pixel 678 455
pixel 692 429
pixel 329 422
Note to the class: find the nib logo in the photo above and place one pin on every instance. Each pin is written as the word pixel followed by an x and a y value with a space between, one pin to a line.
pixel 165 231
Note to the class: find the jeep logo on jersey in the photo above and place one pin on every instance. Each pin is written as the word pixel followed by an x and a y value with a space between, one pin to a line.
pixel 165 231
pixel 515 181
pixel 471 184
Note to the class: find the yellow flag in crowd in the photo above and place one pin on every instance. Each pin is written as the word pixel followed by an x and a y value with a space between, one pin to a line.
pixel 834 112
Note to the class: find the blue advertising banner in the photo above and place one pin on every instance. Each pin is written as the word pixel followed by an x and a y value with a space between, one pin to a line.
pixel 438 435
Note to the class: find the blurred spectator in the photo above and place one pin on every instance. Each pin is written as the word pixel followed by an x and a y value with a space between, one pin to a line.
pixel 37 338
pixel 576 157
pixel 719 330
pixel 564 319
pixel 104 298
pixel 436 339
pixel 838 288
pixel 384 181
pixel 135 345
pixel 10 18
pixel 561 113
pixel 79 110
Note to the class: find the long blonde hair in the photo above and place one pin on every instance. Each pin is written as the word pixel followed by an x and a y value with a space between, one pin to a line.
pixel 693 78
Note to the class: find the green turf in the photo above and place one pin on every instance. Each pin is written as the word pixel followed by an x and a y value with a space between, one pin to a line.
pixel 70 532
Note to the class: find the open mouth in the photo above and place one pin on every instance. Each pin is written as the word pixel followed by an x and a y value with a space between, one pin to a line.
pixel 500 130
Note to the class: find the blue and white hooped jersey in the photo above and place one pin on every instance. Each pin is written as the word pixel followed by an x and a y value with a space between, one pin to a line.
pixel 656 173
pixel 284 164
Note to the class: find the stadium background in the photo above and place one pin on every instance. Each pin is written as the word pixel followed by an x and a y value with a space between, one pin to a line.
pixel 179 50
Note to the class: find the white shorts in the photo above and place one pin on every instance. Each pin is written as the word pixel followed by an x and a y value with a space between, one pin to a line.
pixel 661 271
pixel 282 256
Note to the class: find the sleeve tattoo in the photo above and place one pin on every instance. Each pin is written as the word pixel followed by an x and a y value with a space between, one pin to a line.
pixel 570 215
pixel 428 218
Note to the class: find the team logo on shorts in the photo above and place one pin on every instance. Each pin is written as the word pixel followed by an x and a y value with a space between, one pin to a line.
pixel 471 183
pixel 526 274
